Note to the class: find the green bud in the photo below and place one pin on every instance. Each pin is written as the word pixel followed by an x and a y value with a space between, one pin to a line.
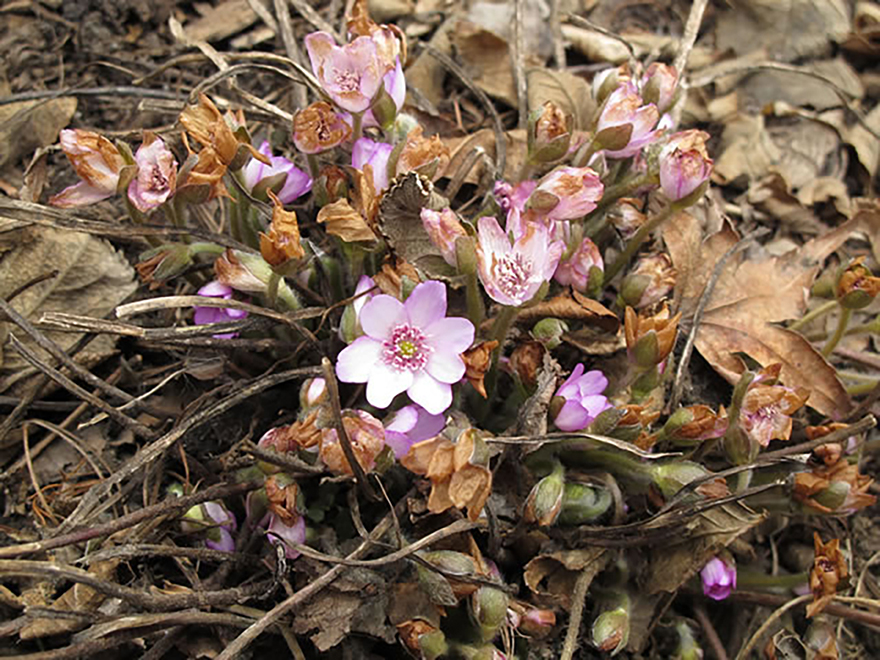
pixel 583 504
pixel 646 352
pixel 676 420
pixel 164 262
pixel 450 561
pixel 670 477
pixel 489 610
pixel 549 331
pixel 606 422
pixel 433 645
pixel 688 648
pixel 545 501
pixel 834 495
pixel 384 108
pixel 611 630
pixel 633 287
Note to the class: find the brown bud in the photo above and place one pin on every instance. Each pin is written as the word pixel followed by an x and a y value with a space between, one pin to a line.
pixel 526 359
pixel 282 243
pixel 650 339
pixel 477 361
pixel 856 286
pixel 367 436
pixel 318 128
pixel 829 570
pixel 282 499
pixel 427 155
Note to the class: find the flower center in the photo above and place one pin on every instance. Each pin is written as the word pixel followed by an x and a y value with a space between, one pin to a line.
pixel 512 274
pixel 406 348
pixel 158 181
pixel 346 80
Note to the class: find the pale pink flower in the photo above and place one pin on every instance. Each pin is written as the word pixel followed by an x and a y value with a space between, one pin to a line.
pixel 212 521
pixel 625 106
pixel 395 85
pixel 583 397
pixel 444 229
pixel 719 578
pixel 512 274
pixel 684 163
pixel 157 174
pixel 278 532
pixel 509 196
pixel 576 269
pixel 409 425
pixel 659 84
pixel 206 315
pixel 375 154
pixel 98 163
pixel 567 193
pixel 351 74
pixel 408 347
pixel 296 184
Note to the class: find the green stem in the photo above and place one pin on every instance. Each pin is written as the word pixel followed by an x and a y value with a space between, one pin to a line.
pixel 842 322
pixel 287 296
pixel 502 324
pixel 813 314
pixel 638 238
pixel 206 248
pixel 582 157
pixel 622 189
pixel 357 129
pixel 314 167
pixel 749 580
pixel 475 311
pixel 272 288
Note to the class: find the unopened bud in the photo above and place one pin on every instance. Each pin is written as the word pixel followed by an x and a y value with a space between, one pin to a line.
pixel 549 332
pixel 537 622
pixel 163 263
pixel 611 630
pixel 856 286
pixel 313 393
pixel 670 477
pixel 549 133
pixel 544 503
pixel 489 610
pixel 583 504
pixel 384 108
pixel 688 648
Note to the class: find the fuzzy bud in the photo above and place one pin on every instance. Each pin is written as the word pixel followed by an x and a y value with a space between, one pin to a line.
pixel 544 503
pixel 549 133
pixel 611 630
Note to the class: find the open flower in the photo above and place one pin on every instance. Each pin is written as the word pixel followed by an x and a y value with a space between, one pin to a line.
pixel 296 183
pixel 577 269
pixel 512 274
pixel 157 174
pixel 409 425
pixel 98 163
pixel 582 399
pixel 767 408
pixel 205 315
pixel 625 107
pixel 375 154
pixel 719 578
pixel 567 193
pixel 684 164
pixel 351 74
pixel 409 347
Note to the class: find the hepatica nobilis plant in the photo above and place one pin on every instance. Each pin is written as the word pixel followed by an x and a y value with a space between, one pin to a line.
pixel 498 351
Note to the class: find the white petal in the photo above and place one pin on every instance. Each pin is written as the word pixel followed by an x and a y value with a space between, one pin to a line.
pixel 451 335
pixel 429 393
pixel 445 367
pixel 386 383
pixel 356 361
pixel 426 304
pixel 381 315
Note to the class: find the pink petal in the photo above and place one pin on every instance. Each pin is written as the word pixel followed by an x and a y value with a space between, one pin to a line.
pixel 356 361
pixel 381 315
pixel 386 383
pixel 453 334
pixel 426 304
pixel 492 239
pixel 429 393
pixel 445 367
pixel 80 194
pixel 215 289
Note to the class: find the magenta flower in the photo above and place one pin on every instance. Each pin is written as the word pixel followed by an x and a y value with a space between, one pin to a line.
pixel 351 74
pixel 512 274
pixel 583 397
pixel 567 193
pixel 297 183
pixel 509 196
pixel 213 521
pixel 719 578
pixel 205 315
pixel 576 269
pixel 278 532
pixel 409 347
pixel 375 154
pixel 444 229
pixel 157 174
pixel 624 106
pixel 98 163
pixel 409 425
pixel 684 164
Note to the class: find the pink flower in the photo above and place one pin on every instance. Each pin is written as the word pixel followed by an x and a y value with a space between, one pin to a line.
pixel 409 347
pixel 212 521
pixel 659 84
pixel 576 269
pixel 375 154
pixel 205 315
pixel 157 174
pixel 395 85
pixel 567 193
pixel 444 228
pixel 512 274
pixel 351 74
pixel 624 106
pixel 278 532
pixel 98 163
pixel 296 184
pixel 684 164
pixel 719 578
pixel 509 196
pixel 350 325
pixel 409 425
pixel 583 397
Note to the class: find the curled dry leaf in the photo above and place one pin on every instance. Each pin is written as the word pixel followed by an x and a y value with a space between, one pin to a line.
pixel 551 576
pixel 573 306
pixel 461 149
pixel 343 221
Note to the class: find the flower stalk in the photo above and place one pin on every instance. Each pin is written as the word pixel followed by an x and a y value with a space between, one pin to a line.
pixel 839 331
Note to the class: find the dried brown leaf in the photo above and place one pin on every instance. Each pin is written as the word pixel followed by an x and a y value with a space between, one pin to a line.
pixel 343 221
pixel 552 576
pixel 461 148
pixel 27 125
pixel 573 306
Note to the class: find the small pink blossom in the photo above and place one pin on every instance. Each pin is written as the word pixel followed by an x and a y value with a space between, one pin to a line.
pixel 719 578
pixel 296 184
pixel 157 174
pixel 409 425
pixel 625 106
pixel 684 163
pixel 659 84
pixel 408 347
pixel 214 522
pixel 351 74
pixel 512 274
pixel 395 85
pixel 509 196
pixel 567 193
pixel 97 162
pixel 444 229
pixel 583 397
pixel 278 532
pixel 576 269
pixel 206 315
pixel 375 154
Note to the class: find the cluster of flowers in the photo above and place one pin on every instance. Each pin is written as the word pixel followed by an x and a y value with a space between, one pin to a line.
pixel 530 242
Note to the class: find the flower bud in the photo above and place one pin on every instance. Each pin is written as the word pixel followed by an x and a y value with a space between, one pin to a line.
pixel 163 263
pixel 671 476
pixel 838 489
pixel 427 156
pixel 583 504
pixel 97 162
pixel 566 193
pixel 242 271
pixel 649 282
pixel 350 325
pixel 384 108
pixel 318 128
pixel 684 164
pixel 367 436
pixel 649 339
pixel 626 216
pixel 214 522
pixel 549 133
pixel 488 607
pixel 477 361
pixel 583 270
pixel 451 562
pixel 688 648
pixel 611 630
pixel 625 124
pixel 525 361
pixel 537 622
pixel 313 394
pixel 549 332
pixel 375 154
pixel 156 177
pixel 444 229
pixel 719 577
pixel 856 285
pixel 421 637
pixel 659 85
pixel 544 502
pixel 691 426
pixel 606 82
pixel 282 242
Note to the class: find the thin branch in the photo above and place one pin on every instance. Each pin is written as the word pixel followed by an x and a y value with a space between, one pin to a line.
pixel 315 19
pixel 689 38
pixel 578 600
pixel 864 424
pixel 291 46
pixel 518 56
